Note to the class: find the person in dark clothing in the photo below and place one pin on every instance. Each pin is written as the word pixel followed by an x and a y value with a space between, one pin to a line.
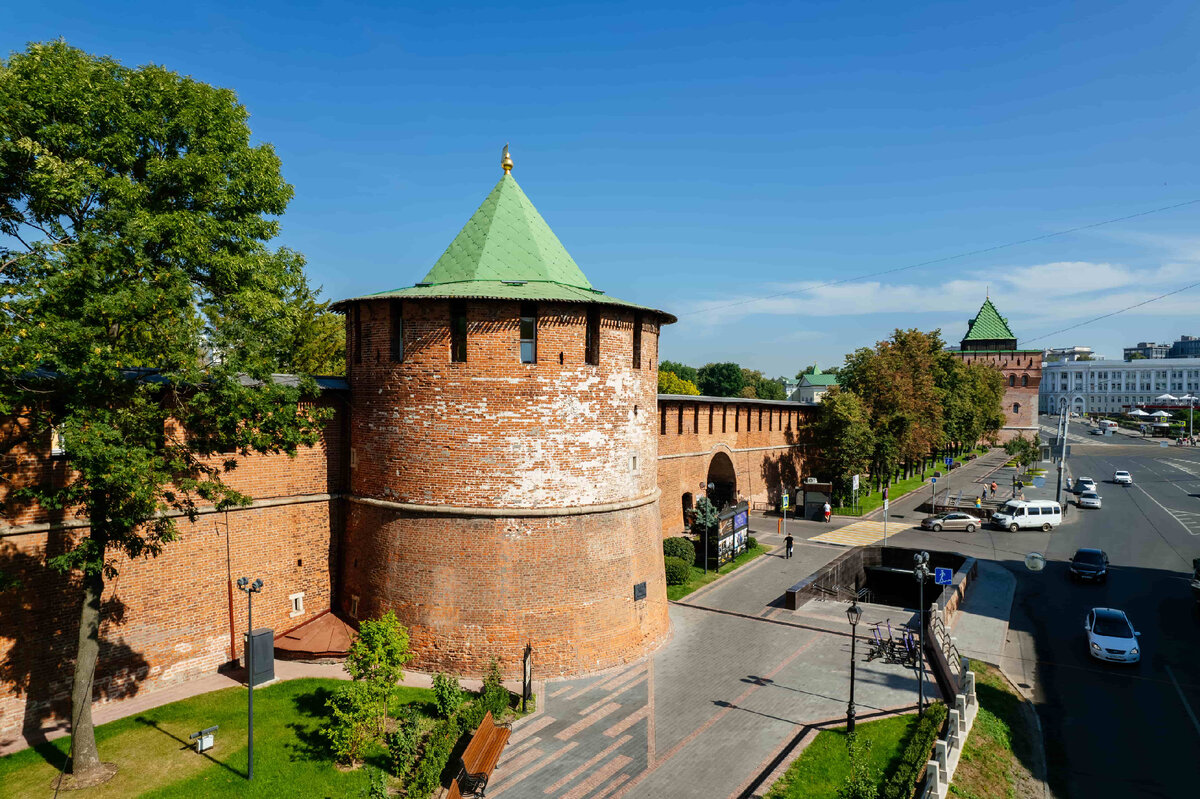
pixel 787 543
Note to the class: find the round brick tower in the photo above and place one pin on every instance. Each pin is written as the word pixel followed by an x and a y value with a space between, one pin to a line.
pixel 503 456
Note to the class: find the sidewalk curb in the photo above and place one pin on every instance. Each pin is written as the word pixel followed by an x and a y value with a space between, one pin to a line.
pixel 1040 745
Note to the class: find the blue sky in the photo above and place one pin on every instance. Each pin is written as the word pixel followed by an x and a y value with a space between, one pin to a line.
pixel 695 155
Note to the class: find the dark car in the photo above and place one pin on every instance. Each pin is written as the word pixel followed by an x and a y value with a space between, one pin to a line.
pixel 1089 564
pixel 951 521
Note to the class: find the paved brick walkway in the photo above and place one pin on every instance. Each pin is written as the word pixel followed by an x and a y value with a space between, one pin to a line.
pixel 741 682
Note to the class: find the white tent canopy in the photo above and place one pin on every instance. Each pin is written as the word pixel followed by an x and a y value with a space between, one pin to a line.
pixel 1138 412
pixel 1166 398
pixel 1160 414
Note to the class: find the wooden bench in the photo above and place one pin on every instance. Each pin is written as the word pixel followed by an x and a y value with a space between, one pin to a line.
pixel 480 757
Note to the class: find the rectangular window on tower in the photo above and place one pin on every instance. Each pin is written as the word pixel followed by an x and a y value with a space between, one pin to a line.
pixel 528 332
pixel 637 340
pixel 397 332
pixel 591 341
pixel 458 332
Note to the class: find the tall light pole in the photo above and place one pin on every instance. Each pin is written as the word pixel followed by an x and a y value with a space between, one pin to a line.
pixel 1191 399
pixel 921 572
pixel 1062 458
pixel 251 588
pixel 853 613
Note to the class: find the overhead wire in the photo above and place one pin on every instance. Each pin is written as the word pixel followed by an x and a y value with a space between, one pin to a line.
pixel 955 257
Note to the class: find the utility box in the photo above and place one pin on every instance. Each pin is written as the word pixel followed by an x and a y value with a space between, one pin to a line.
pixel 260 645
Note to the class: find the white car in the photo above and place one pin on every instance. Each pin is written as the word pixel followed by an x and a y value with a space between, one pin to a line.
pixel 1099 431
pixel 1111 636
pixel 1089 499
pixel 1123 478
pixel 1085 484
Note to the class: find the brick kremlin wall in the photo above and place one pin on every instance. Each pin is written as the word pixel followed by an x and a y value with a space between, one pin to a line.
pixel 764 441
pixel 166 619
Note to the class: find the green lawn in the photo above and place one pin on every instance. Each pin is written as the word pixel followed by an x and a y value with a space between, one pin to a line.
pixel 993 760
pixel 699 578
pixel 822 767
pixel 873 500
pixel 156 760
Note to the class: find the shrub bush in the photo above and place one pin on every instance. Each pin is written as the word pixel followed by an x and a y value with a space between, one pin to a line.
pixel 903 781
pixel 471 715
pixel 354 713
pixel 402 742
pixel 439 745
pixel 447 694
pixel 677 570
pixel 680 547
pixel 494 696
pixel 751 542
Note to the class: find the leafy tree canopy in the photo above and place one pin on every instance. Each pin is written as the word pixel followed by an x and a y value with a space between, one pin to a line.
pixel 134 220
pixel 683 371
pixel 670 383
pixel 843 437
pixel 721 380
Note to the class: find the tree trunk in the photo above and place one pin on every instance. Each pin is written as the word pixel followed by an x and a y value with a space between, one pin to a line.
pixel 84 755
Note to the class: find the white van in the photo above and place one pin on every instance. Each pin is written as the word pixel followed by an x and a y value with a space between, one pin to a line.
pixel 1019 514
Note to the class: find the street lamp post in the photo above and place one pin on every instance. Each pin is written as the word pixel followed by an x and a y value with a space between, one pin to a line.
pixel 853 613
pixel 921 572
pixel 711 487
pixel 251 588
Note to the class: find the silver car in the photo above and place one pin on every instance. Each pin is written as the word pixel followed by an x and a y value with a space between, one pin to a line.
pixel 1089 499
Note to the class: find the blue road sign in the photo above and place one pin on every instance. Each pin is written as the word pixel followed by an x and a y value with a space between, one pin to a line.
pixel 943 576
pixel 933 479
pixel 949 460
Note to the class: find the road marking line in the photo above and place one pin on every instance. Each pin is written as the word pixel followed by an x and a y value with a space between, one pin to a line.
pixel 1182 698
pixel 1170 512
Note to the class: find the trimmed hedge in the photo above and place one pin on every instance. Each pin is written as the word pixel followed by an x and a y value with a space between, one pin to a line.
pixel 903 781
pixel 677 571
pixel 680 547
pixel 751 542
pixel 439 745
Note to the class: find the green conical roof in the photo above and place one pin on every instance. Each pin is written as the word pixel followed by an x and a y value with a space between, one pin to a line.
pixel 506 240
pixel 506 251
pixel 988 325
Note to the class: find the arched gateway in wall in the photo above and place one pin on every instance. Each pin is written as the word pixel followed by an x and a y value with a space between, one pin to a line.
pixel 722 481
pixel 503 485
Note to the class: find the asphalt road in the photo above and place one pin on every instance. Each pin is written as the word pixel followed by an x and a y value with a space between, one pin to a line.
pixel 1120 731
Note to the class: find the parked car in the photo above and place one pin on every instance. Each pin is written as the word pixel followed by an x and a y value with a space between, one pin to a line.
pixel 1089 564
pixel 1018 513
pixel 1122 477
pixel 951 521
pixel 1084 484
pixel 1099 431
pixel 1111 636
pixel 1088 499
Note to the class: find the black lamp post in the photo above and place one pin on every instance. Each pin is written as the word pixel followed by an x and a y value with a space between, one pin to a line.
pixel 921 572
pixel 853 613
pixel 251 588
pixel 711 487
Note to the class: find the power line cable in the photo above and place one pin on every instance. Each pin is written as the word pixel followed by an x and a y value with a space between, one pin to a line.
pixel 1112 313
pixel 947 258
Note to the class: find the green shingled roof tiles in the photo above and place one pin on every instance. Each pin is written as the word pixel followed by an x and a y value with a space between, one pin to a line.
pixel 819 379
pixel 988 324
pixel 506 239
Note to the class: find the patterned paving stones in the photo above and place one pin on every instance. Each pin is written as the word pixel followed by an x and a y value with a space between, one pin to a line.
pixel 708 712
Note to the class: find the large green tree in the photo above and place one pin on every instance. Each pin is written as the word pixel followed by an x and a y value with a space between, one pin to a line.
pixel 682 371
pixel 761 387
pixel 721 380
pixel 843 437
pixel 670 383
pixel 139 301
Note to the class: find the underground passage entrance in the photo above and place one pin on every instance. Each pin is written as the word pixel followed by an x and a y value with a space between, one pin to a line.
pixel 879 575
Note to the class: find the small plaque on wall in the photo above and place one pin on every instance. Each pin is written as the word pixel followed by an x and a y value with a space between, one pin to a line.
pixel 639 592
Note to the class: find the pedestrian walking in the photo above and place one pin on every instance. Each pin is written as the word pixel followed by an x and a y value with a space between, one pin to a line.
pixel 828 512
pixel 995 488
pixel 787 544
pixel 979 501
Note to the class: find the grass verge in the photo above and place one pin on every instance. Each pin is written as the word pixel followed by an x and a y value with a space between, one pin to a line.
pixel 994 759
pixel 155 759
pixel 699 579
pixel 869 502
pixel 822 767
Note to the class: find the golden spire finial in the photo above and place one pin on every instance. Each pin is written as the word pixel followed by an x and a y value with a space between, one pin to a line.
pixel 506 161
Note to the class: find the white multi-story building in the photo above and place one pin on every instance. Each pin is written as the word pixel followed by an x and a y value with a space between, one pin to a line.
pixel 1115 386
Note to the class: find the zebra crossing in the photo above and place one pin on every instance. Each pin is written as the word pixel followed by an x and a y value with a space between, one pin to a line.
pixel 858 534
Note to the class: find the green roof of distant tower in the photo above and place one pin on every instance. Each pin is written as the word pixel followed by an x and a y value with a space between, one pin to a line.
pixel 988 325
pixel 507 251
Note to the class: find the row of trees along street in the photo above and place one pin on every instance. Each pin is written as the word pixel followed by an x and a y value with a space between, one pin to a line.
pixel 718 380
pixel 139 298
pixel 902 406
